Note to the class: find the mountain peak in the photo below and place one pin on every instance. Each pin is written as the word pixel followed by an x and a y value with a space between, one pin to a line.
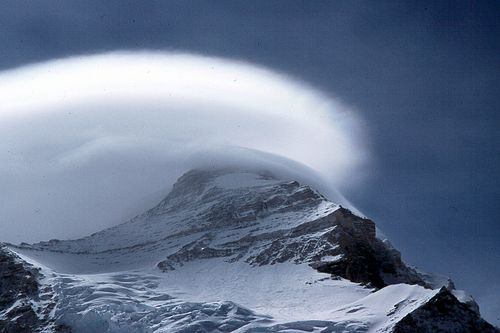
pixel 243 239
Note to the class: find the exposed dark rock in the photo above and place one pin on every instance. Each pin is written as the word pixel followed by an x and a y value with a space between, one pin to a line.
pixel 443 314
pixel 19 287
pixel 18 283
pixel 365 258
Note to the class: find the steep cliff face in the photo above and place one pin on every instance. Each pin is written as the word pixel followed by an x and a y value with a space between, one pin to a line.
pixel 230 250
pixel 364 257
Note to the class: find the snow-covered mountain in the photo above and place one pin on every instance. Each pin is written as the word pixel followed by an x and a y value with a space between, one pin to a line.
pixel 229 250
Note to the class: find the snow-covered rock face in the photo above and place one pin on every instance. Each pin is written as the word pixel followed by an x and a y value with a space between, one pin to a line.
pixel 25 306
pixel 232 250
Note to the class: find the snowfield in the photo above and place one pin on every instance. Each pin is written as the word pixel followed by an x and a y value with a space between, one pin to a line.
pixel 210 295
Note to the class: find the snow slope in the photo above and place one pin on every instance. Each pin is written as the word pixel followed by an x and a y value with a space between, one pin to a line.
pixel 230 250
pixel 277 298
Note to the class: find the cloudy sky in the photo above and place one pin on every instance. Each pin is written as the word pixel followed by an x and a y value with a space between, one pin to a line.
pixel 423 77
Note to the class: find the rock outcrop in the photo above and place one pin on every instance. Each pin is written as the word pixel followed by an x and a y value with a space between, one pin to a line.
pixel 443 314
pixel 24 306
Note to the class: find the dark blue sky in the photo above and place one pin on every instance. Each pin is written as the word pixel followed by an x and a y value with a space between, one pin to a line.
pixel 425 76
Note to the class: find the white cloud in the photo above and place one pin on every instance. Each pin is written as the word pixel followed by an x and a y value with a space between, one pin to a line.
pixel 86 142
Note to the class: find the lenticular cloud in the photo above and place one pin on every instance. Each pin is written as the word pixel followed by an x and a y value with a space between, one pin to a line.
pixel 86 142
